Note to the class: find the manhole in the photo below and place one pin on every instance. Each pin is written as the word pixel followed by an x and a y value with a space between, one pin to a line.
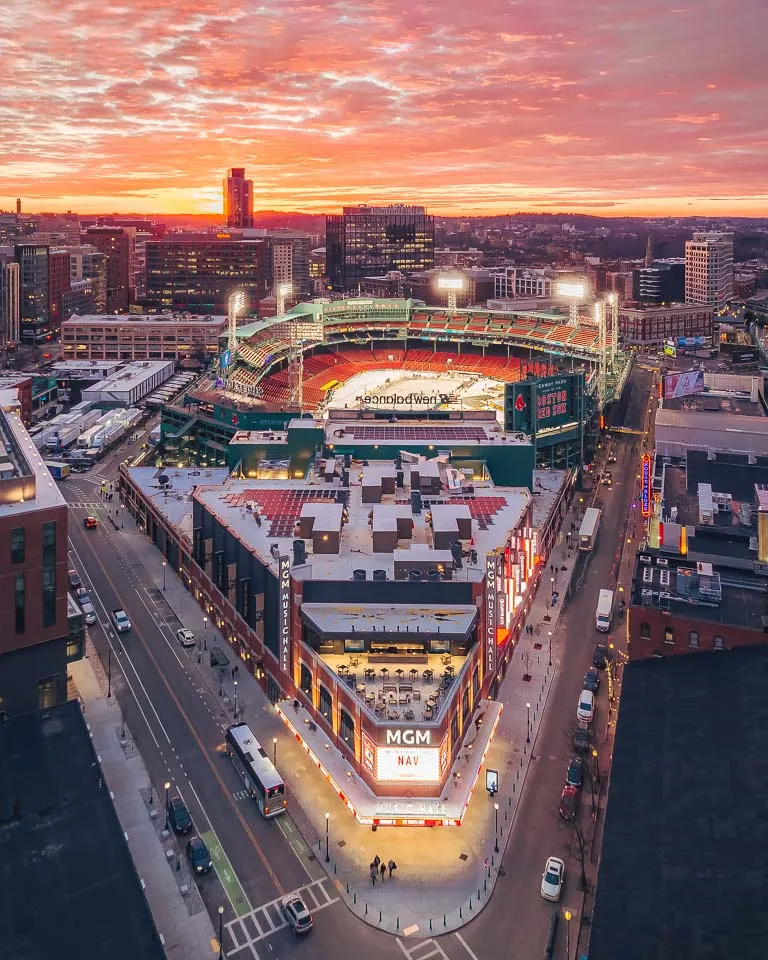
pixel 312 857
pixel 463 856
pixel 537 646
pixel 526 678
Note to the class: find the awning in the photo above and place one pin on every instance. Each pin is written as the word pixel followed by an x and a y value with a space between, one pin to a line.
pixel 342 620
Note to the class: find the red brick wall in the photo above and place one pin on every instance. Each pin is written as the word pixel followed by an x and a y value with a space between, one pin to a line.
pixel 655 623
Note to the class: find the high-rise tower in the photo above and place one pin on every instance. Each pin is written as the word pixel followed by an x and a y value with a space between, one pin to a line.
pixel 238 198
pixel 709 268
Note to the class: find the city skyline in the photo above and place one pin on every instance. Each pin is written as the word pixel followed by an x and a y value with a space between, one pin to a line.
pixel 489 109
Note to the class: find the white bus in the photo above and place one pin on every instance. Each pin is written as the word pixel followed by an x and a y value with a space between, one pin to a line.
pixel 604 611
pixel 589 528
pixel 258 773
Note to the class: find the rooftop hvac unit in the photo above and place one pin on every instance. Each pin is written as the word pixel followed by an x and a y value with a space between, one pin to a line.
pixel 752 460
pixel 648 575
pixel 664 578
pixel 662 562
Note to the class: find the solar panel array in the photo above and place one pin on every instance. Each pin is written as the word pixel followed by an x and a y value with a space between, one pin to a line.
pixel 419 434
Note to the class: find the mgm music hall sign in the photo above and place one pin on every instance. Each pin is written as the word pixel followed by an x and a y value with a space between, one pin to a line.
pixel 405 755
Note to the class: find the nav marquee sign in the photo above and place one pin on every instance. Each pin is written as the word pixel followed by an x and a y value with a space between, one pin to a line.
pixel 284 573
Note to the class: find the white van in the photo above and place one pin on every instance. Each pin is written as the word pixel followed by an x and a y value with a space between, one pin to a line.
pixel 586 708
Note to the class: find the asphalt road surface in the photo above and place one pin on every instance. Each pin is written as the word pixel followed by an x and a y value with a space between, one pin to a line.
pixel 178 727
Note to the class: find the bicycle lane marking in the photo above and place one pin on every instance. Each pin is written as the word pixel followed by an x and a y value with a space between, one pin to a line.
pixel 226 874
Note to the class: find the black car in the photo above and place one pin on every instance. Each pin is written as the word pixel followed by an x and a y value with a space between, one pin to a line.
pixel 178 815
pixel 575 775
pixel 74 579
pixel 592 680
pixel 600 657
pixel 198 856
pixel 581 741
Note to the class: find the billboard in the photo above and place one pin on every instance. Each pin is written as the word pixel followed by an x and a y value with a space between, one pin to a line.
pixel 645 485
pixel 408 764
pixel 535 405
pixel 284 587
pixel 683 384
pixel 553 401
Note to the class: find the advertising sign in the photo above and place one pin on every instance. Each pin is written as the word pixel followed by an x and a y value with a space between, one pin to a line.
pixel 284 586
pixel 683 384
pixel 408 764
pixel 226 359
pixel 645 485
pixel 553 401
pixel 492 782
pixel 491 607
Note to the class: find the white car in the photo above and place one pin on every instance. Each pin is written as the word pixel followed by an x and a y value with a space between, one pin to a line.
pixel 552 879
pixel 296 913
pixel 586 708
pixel 185 637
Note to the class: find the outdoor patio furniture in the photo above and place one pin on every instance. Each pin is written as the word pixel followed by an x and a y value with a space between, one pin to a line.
pixel 408 715
pixel 416 694
pixel 369 673
pixel 384 671
pixel 399 673
pixel 354 661
pixel 427 675
pixel 404 698
pixel 361 688
pixel 413 675
pixel 393 715
pixel 342 668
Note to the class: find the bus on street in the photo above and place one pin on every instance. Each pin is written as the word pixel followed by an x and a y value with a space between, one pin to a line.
pixel 258 773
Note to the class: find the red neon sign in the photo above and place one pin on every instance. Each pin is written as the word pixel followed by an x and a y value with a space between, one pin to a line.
pixel 645 489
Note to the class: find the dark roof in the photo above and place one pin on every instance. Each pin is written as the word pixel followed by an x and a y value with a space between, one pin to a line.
pixel 684 866
pixel 727 473
pixel 69 887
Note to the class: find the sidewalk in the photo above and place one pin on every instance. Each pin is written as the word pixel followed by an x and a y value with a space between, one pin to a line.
pixel 177 907
pixel 445 876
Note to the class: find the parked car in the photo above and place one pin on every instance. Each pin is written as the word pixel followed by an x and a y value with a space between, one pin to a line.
pixel 575 774
pixel 89 612
pixel 178 815
pixel 600 656
pixel 585 711
pixel 297 914
pixel 581 740
pixel 74 579
pixel 185 637
pixel 90 523
pixel 592 679
pixel 569 802
pixel 552 879
pixel 198 856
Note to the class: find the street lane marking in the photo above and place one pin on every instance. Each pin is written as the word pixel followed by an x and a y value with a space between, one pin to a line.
pixel 268 919
pixel 227 875
pixel 432 946
pixel 466 946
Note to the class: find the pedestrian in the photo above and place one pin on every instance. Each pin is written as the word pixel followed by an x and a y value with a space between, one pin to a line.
pixel 376 861
pixel 383 871
pixel 392 866
pixel 373 874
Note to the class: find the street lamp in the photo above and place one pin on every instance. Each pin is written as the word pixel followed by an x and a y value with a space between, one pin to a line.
pixel 528 708
pixel 496 845
pixel 553 587
pixel 167 786
pixel 221 945
pixel 567 916
pixel 327 827
pixel 274 751
pixel 205 633
pixel 235 699
pixel 550 648
pixel 164 566
pixel 122 516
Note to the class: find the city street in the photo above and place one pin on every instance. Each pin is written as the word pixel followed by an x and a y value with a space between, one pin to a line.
pixel 178 724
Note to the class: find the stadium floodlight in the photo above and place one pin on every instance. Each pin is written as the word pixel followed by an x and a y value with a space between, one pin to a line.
pixel 451 284
pixel 574 291
pixel 236 305
pixel 283 290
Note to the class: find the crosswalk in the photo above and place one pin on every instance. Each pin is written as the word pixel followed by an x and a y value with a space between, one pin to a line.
pixel 268 919
pixel 86 504
pixel 422 949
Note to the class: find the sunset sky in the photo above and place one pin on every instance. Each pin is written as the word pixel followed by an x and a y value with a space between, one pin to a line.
pixel 467 106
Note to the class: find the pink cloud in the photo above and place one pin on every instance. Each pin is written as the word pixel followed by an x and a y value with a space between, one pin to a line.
pixel 491 105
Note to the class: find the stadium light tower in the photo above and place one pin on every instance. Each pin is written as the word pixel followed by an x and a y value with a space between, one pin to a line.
pixel 574 292
pixel 451 284
pixel 283 290
pixel 613 304
pixel 236 305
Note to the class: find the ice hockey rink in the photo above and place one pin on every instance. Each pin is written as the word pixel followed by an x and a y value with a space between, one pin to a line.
pixel 418 392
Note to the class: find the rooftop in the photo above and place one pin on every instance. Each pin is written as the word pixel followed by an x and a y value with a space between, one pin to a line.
pixel 25 483
pixel 700 591
pixel 70 886
pixel 131 375
pixel 110 319
pixel 689 772
pixel 735 404
pixel 420 432
pixel 174 498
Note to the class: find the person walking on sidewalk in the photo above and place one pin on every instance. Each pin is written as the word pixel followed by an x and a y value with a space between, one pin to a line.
pixel 376 861
pixel 383 870
pixel 373 873
pixel 392 866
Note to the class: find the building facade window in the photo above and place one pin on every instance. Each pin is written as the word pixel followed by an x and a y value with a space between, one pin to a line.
pixel 46 693
pixel 306 680
pixel 693 638
pixel 645 631
pixel 465 704
pixel 326 703
pixel 347 728
pixel 669 634
pixel 20 604
pixel 49 596
pixel 18 545
pixel 454 729
pixel 49 542
pixel 74 650
pixel 718 643
pixel 475 683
